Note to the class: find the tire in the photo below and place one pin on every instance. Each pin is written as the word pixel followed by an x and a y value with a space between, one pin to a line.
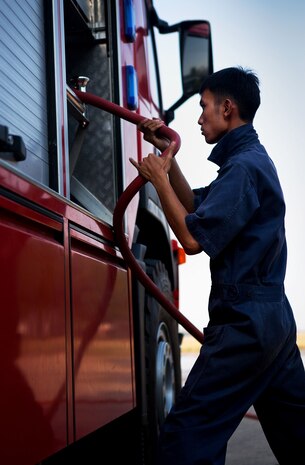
pixel 162 354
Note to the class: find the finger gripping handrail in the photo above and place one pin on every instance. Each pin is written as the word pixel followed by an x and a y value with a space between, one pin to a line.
pixel 123 202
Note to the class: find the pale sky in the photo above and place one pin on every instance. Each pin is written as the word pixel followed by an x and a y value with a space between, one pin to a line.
pixel 267 36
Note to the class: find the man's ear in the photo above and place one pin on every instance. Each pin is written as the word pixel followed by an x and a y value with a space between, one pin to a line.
pixel 228 106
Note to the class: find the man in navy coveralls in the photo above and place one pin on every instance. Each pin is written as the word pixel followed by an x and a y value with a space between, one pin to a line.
pixel 249 355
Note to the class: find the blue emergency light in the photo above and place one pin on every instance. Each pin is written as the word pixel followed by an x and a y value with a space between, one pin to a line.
pixel 129 21
pixel 132 87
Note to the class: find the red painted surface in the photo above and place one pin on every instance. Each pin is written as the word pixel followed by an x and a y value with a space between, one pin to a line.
pixel 65 304
pixel 102 352
pixel 55 277
pixel 65 315
pixel 32 326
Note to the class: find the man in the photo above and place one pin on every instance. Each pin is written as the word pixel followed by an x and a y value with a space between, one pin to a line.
pixel 249 355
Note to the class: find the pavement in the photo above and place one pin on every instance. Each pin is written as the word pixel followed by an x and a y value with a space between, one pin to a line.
pixel 248 445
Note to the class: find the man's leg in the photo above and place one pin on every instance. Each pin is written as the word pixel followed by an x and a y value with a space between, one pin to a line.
pixel 281 411
pixel 221 387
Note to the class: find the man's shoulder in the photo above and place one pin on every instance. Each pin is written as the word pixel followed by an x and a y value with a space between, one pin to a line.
pixel 256 164
pixel 252 155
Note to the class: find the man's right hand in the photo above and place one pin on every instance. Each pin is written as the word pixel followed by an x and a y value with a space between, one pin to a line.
pixel 150 127
pixel 153 168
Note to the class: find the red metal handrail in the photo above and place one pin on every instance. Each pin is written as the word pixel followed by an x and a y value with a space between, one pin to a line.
pixel 123 202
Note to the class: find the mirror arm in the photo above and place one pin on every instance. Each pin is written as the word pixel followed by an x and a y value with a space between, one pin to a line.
pixel 169 114
pixel 162 26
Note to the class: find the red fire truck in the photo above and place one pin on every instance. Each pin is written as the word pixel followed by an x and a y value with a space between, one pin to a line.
pixel 90 361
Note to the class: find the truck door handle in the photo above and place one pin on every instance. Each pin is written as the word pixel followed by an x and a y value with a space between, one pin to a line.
pixel 11 144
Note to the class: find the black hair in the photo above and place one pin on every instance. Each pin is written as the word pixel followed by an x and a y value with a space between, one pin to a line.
pixel 242 85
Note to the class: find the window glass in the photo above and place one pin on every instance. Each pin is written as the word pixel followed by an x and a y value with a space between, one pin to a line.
pixel 92 165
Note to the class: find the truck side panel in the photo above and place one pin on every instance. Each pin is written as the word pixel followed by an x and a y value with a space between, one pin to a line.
pixel 33 339
pixel 66 329
pixel 102 352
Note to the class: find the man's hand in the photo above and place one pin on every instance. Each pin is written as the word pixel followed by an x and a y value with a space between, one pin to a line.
pixel 150 127
pixel 155 168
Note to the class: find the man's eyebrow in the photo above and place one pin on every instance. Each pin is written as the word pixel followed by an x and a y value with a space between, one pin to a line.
pixel 201 103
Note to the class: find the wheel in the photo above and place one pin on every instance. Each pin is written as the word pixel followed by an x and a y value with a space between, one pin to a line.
pixel 162 353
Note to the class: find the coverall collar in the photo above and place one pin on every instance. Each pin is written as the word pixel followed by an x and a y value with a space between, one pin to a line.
pixel 232 143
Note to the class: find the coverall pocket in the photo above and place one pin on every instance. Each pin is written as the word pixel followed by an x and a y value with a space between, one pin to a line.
pixel 212 344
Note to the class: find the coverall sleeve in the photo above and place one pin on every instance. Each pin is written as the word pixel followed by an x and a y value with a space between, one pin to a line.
pixel 223 209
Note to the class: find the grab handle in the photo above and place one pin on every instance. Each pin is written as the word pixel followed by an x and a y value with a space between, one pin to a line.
pixel 123 202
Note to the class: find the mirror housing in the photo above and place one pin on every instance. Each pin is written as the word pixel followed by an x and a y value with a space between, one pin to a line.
pixel 196 60
pixel 196 57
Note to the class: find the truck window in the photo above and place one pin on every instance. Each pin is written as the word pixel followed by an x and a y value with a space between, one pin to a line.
pixel 92 167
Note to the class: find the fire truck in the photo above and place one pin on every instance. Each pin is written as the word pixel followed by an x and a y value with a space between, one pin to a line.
pixel 90 360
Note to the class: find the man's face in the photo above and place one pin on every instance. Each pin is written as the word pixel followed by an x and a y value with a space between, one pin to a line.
pixel 212 121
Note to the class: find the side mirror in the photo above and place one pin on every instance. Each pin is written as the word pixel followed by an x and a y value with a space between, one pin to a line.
pixel 196 60
pixel 196 57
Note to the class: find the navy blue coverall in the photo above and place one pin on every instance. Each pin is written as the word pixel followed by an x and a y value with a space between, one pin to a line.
pixel 249 355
